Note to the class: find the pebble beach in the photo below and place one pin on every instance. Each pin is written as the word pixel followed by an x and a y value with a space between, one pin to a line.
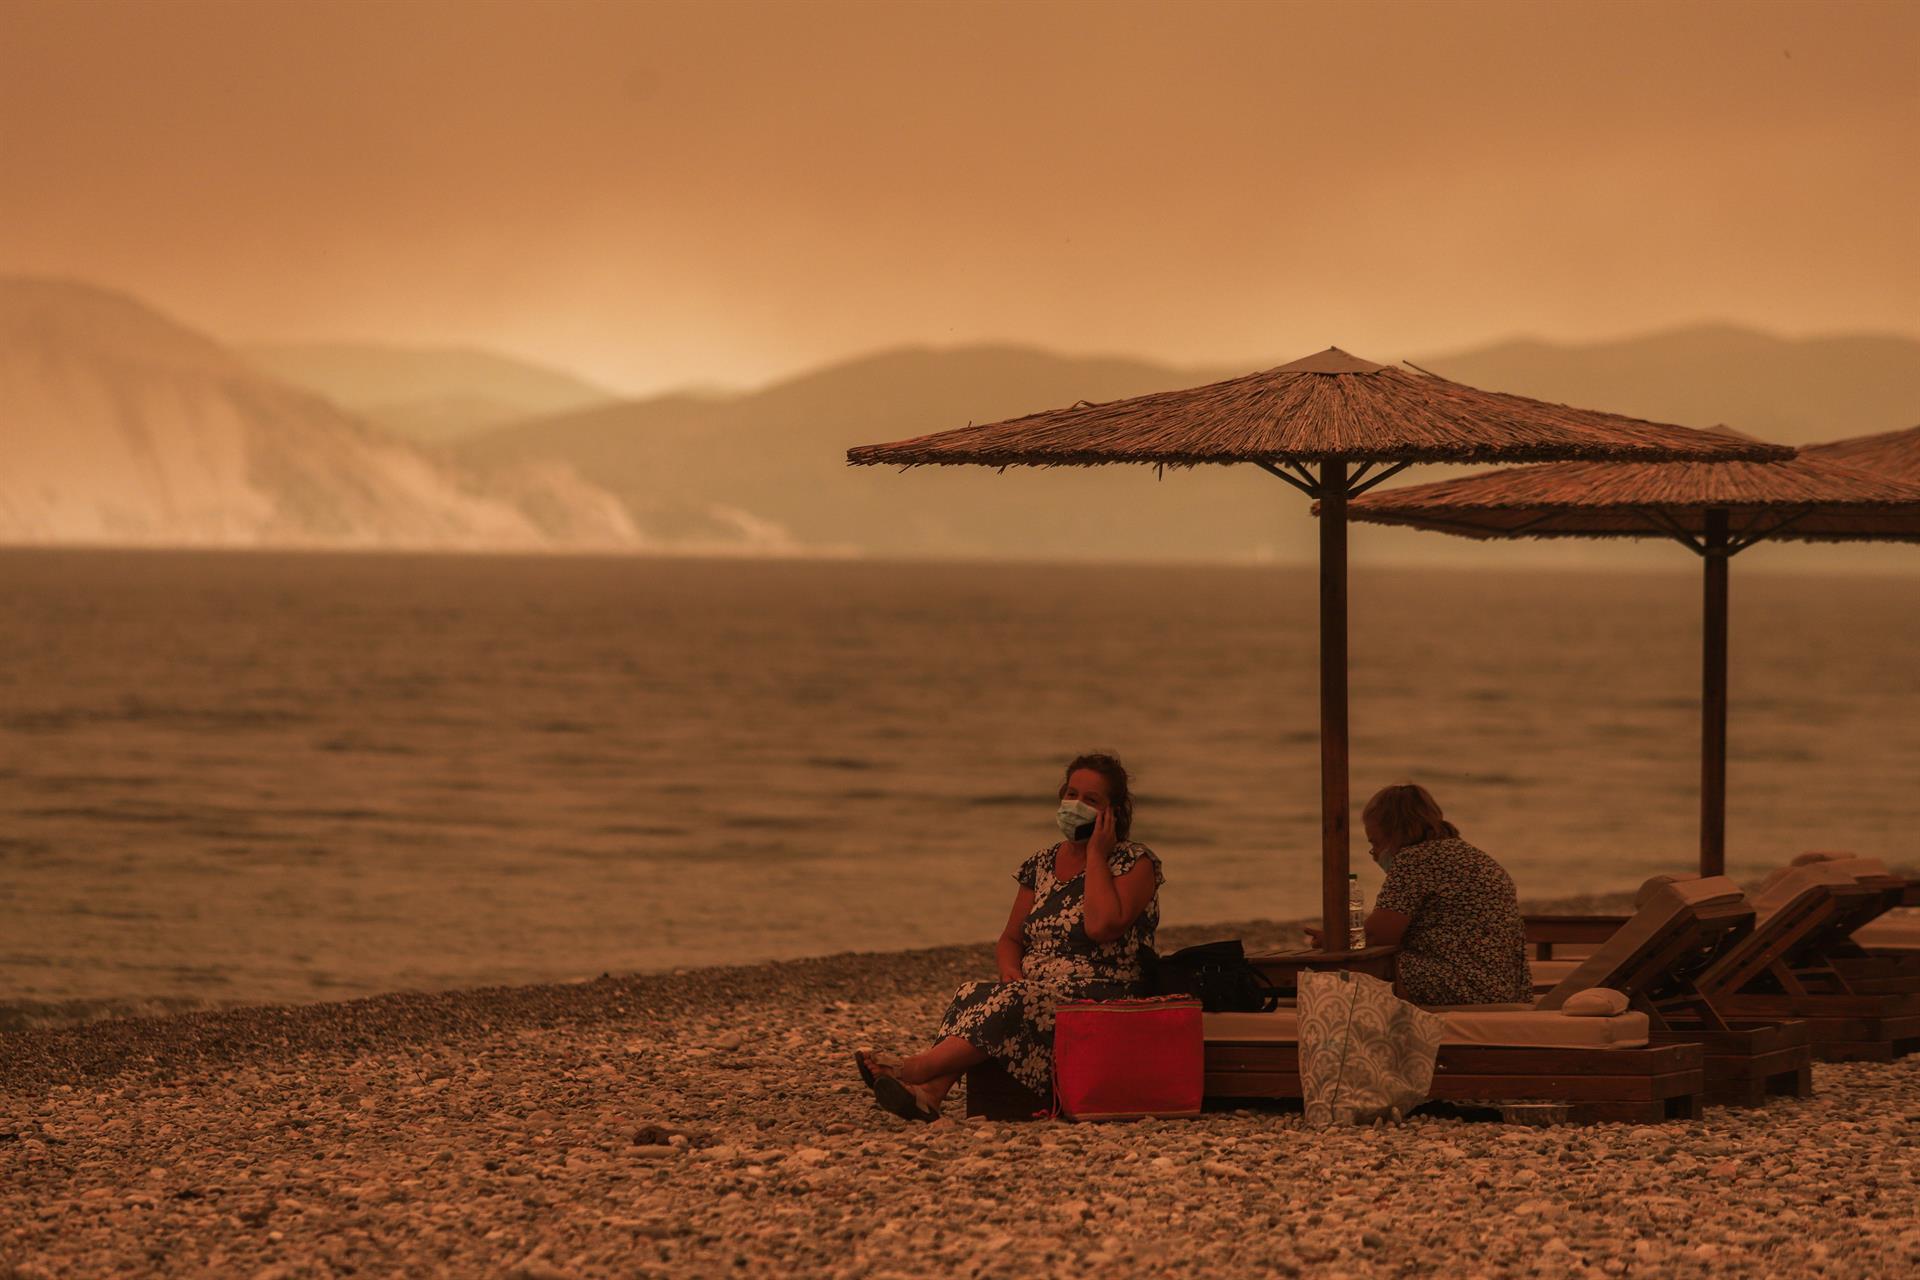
pixel 709 1122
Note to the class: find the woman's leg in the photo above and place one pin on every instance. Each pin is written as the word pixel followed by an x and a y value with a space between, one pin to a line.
pixel 941 1065
pixel 935 1090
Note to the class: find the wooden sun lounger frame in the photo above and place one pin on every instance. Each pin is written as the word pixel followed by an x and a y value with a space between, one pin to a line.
pixel 1640 1086
pixel 1746 1060
pixel 1662 1081
pixel 1876 970
pixel 1780 971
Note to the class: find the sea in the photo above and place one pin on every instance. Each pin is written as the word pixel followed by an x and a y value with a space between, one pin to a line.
pixel 231 778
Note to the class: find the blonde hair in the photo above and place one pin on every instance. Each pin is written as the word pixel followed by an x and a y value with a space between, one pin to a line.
pixel 1408 814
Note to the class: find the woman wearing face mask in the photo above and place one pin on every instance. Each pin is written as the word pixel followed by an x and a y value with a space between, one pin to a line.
pixel 1450 907
pixel 1084 909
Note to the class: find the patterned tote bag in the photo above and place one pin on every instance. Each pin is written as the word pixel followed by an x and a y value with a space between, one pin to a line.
pixel 1364 1052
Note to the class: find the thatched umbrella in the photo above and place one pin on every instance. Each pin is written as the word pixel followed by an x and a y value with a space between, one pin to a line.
pixel 1891 453
pixel 1305 422
pixel 1715 511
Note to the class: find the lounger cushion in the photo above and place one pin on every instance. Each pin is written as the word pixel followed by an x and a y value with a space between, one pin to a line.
pixel 1595 1002
pixel 1783 889
pixel 1860 868
pixel 1664 903
pixel 1894 929
pixel 1516 1028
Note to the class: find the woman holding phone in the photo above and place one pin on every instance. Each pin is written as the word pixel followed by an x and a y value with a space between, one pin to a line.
pixel 1084 909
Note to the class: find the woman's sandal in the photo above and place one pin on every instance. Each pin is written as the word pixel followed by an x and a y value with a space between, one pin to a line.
pixel 866 1060
pixel 898 1098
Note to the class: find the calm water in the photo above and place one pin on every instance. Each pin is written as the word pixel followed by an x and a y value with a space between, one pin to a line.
pixel 257 777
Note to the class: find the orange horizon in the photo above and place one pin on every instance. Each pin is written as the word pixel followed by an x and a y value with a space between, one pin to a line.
pixel 657 196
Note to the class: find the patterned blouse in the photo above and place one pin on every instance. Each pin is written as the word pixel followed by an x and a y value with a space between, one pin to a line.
pixel 1465 943
pixel 1056 935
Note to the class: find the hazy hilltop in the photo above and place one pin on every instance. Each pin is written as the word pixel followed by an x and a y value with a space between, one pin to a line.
pixel 1794 390
pixel 124 427
pixel 428 394
pixel 767 468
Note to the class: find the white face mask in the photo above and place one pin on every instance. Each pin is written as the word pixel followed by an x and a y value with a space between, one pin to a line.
pixel 1074 816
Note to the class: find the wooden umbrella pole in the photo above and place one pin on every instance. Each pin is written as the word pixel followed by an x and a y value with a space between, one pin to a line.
pixel 1333 703
pixel 1713 700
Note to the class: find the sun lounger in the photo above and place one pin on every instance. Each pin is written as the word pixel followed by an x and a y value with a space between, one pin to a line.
pixel 1783 969
pixel 1660 1060
pixel 1601 1068
pixel 1672 1051
pixel 1877 946
pixel 1656 956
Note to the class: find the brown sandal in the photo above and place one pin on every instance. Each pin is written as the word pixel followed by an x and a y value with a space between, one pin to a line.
pixel 899 1098
pixel 867 1059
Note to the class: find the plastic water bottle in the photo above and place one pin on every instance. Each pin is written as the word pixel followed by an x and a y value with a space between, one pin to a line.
pixel 1356 915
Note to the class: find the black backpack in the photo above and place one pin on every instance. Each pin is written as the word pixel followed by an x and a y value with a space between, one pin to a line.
pixel 1216 972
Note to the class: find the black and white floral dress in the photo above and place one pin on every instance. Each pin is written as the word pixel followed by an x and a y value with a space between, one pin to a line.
pixel 1465 941
pixel 1013 1021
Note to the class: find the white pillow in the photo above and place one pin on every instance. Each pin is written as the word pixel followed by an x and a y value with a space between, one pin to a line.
pixel 1595 1002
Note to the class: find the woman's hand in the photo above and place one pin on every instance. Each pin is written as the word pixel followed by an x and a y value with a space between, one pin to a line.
pixel 1012 973
pixel 1100 843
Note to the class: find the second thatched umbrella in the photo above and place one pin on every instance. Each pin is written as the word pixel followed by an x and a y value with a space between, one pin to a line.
pixel 1714 511
pixel 1895 454
pixel 1307 423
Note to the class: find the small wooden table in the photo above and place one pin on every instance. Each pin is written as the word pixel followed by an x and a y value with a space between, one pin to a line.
pixel 1283 968
pixel 1543 932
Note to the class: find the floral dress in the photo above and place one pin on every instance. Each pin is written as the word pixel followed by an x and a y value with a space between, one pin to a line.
pixel 1013 1021
pixel 1465 941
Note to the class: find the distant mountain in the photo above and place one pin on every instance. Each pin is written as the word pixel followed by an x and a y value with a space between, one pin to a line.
pixel 429 394
pixel 120 426
pixel 740 468
pixel 1794 390
pixel 770 465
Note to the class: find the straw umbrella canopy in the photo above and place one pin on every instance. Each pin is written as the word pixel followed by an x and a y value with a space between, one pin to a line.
pixel 1891 453
pixel 1715 511
pixel 1332 426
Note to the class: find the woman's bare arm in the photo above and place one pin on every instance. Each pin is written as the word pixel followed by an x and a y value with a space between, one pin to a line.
pixel 1385 928
pixel 1012 947
pixel 1110 910
pixel 1109 904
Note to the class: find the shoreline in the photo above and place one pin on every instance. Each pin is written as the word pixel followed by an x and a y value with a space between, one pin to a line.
pixel 710 1121
pixel 109 1043
pixel 93 1052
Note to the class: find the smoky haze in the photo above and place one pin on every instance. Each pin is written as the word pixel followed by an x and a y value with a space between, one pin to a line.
pixel 660 195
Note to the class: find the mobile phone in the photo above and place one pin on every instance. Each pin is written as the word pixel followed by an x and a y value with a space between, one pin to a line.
pixel 1083 832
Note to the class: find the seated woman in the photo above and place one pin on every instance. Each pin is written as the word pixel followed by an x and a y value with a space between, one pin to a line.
pixel 1085 908
pixel 1450 907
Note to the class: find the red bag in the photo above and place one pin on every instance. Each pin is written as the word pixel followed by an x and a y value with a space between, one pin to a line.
pixel 1124 1059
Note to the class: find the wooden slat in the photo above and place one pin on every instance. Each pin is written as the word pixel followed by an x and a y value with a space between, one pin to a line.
pixel 1821 1005
pixel 1252 1084
pixel 1506 1060
pixel 1567 1088
pixel 1253 1057
pixel 1741 1038
pixel 1677 1109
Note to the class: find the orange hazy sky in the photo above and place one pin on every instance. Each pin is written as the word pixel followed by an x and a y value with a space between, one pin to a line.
pixel 662 194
